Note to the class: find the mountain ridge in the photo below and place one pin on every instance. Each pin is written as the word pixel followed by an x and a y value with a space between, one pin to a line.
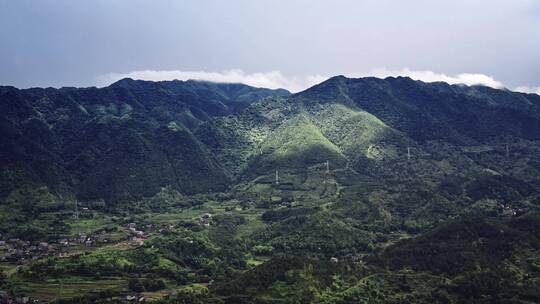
pixel 418 111
pixel 77 128
pixel 407 110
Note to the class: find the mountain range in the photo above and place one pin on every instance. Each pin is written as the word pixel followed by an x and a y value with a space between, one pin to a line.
pixel 132 138
pixel 355 190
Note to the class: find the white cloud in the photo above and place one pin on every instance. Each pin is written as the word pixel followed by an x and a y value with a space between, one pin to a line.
pixel 525 89
pixel 275 79
pixel 272 79
pixel 430 76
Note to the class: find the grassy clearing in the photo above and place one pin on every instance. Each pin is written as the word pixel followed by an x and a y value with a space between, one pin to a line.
pixel 257 260
pixel 89 225
pixel 253 223
pixel 8 268
pixel 72 287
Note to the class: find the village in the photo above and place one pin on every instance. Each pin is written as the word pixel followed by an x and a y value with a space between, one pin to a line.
pixel 18 252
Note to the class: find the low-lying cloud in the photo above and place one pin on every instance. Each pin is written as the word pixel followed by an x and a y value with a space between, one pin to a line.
pixel 275 79
pixel 430 76
pixel 526 89
pixel 272 79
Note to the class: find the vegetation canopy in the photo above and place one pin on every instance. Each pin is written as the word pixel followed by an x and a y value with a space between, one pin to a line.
pixel 353 191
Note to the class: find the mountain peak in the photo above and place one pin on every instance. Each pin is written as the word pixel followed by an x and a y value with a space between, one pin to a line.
pixel 126 82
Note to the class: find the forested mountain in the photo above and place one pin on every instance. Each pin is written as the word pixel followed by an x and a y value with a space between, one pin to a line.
pixel 353 191
pixel 117 142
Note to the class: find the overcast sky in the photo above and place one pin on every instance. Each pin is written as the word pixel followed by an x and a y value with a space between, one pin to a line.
pixel 292 44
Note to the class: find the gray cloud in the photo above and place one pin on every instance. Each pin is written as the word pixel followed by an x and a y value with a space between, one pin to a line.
pixel 64 42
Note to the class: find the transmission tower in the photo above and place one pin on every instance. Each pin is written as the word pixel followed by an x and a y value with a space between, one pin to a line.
pixel 76 215
pixel 327 167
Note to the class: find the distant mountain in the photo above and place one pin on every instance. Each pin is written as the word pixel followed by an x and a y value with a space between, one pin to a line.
pixel 134 137
pixel 427 151
pixel 369 121
pixel 427 111
pixel 125 140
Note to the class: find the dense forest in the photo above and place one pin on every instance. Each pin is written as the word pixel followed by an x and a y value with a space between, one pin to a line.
pixel 353 191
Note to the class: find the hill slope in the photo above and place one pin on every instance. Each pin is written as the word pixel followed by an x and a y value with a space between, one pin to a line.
pixel 374 122
pixel 117 142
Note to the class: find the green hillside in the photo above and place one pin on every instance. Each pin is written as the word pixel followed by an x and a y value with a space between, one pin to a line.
pixel 354 191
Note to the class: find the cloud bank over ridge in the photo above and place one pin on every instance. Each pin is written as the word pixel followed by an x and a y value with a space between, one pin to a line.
pixel 276 79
